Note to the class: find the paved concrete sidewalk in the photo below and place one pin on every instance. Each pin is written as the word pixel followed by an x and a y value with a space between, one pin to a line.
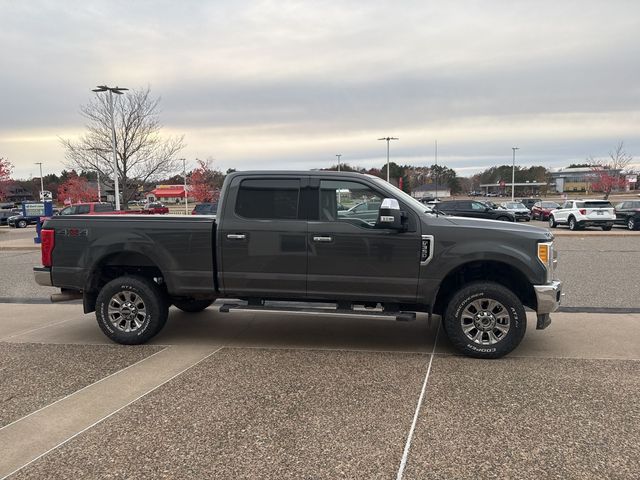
pixel 262 396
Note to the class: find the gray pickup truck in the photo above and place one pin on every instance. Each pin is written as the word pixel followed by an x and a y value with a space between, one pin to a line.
pixel 334 242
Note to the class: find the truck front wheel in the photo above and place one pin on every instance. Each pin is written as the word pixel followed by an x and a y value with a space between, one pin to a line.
pixel 131 310
pixel 485 320
pixel 192 305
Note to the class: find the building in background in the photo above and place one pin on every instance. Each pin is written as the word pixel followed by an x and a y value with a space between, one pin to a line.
pixel 15 193
pixel 429 190
pixel 170 193
pixel 579 179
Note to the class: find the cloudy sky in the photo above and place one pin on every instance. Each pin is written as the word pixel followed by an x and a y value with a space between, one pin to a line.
pixel 288 84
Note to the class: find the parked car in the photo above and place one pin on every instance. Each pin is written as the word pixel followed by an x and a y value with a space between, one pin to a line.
pixel 365 211
pixel 22 221
pixel 521 212
pixel 88 208
pixel 156 208
pixel 584 213
pixel 278 236
pixel 205 209
pixel 475 209
pixel 528 202
pixel 4 216
pixel 628 213
pixel 541 210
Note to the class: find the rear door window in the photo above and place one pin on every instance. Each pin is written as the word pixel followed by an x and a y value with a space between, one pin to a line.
pixel 82 209
pixel 598 204
pixel 268 199
pixel 103 208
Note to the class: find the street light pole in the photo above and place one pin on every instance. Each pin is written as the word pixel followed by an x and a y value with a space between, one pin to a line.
pixel 513 174
pixel 117 91
pixel 338 155
pixel 186 201
pixel 41 179
pixel 388 139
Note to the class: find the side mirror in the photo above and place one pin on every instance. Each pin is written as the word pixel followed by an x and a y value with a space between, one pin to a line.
pixel 390 216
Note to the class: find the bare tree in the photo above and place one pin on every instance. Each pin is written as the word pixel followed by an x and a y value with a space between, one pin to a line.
pixel 142 154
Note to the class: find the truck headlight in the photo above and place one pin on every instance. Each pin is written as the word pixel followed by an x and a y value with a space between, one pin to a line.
pixel 546 256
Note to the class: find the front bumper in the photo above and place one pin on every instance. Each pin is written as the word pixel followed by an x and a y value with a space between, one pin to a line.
pixel 43 276
pixel 548 298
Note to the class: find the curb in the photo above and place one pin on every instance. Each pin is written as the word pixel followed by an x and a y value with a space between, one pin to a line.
pixel 583 233
pixel 34 248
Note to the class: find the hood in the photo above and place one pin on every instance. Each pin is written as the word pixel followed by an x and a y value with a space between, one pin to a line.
pixel 501 226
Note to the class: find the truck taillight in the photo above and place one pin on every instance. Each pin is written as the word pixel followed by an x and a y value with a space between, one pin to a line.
pixel 47 242
pixel 583 211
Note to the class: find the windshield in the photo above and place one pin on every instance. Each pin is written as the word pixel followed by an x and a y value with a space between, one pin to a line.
pixel 515 206
pixel 404 196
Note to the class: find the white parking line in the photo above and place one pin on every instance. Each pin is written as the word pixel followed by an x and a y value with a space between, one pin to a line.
pixel 407 446
pixel 111 414
pixel 24 332
pixel 80 390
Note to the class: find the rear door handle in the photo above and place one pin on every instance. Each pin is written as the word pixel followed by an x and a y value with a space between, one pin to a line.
pixel 236 236
pixel 323 239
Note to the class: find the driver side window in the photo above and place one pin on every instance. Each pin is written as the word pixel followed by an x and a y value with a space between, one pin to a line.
pixel 352 202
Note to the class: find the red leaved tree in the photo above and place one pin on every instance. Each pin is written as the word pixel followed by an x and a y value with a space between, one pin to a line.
pixel 205 182
pixel 77 189
pixel 608 173
pixel 6 167
pixel 606 182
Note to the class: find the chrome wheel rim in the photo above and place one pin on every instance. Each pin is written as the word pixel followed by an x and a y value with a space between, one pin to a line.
pixel 572 224
pixel 485 321
pixel 631 224
pixel 127 311
pixel 551 221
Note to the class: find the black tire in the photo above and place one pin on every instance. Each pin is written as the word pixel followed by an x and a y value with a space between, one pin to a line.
pixel 191 305
pixel 573 225
pixel 606 228
pixel 552 222
pixel 133 294
pixel 503 219
pixel 21 224
pixel 631 223
pixel 508 309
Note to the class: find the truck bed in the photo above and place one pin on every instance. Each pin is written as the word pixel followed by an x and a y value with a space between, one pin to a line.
pixel 181 247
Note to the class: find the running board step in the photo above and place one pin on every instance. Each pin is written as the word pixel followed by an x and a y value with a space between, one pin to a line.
pixel 400 316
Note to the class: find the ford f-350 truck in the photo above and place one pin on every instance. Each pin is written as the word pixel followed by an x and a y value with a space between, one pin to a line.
pixel 349 240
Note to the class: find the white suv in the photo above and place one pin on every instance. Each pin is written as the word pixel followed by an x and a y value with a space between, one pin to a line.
pixel 583 213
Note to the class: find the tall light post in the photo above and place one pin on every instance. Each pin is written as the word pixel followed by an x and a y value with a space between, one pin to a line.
pixel 513 174
pixel 338 155
pixel 388 139
pixel 186 201
pixel 41 180
pixel 117 91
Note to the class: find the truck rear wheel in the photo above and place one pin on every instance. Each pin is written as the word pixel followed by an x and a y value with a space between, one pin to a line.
pixel 192 305
pixel 485 320
pixel 131 310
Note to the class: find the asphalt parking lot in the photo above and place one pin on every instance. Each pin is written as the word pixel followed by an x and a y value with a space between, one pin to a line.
pixel 241 395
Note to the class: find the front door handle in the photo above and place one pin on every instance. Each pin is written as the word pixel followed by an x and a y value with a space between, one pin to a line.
pixel 323 239
pixel 236 236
